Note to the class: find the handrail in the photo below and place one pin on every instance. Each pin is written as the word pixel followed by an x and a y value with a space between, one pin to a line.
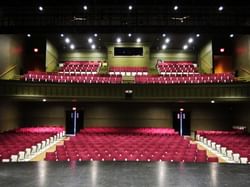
pixel 8 70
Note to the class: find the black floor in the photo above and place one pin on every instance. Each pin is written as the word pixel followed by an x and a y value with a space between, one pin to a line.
pixel 123 174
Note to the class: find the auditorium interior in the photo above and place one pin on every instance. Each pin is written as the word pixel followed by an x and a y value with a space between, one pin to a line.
pixel 124 93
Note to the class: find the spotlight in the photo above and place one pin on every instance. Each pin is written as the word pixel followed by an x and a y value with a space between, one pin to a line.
pixel 185 47
pixel 163 35
pixel 90 40
pixel 222 50
pixel 35 50
pixel 197 35
pixel 93 46
pixel 85 7
pixel 129 34
pixel 176 7
pixel 130 7
pixel 118 40
pixel 231 35
pixel 190 40
pixel 163 46
pixel 212 101
pixel 138 40
pixel 28 35
pixel 72 46
pixel 40 8
pixel 167 40
pixel 220 8
pixel 95 35
pixel 67 40
pixel 62 35
pixel 44 100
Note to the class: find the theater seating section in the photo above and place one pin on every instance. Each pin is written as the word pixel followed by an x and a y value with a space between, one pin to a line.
pixel 146 144
pixel 88 72
pixel 80 67
pixel 128 71
pixel 234 145
pixel 183 68
pixel 21 144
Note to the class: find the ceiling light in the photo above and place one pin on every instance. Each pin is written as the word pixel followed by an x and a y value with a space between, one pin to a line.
pixel 129 34
pixel 138 40
pixel 90 40
pixel 29 35
pixel 163 46
pixel 220 8
pixel 163 35
pixel 44 100
pixel 130 7
pixel 185 46
pixel 85 7
pixel 62 35
pixel 95 35
pixel 35 50
pixel 231 35
pixel 212 101
pixel 72 46
pixel 197 35
pixel 167 40
pixel 67 40
pixel 222 50
pixel 93 46
pixel 118 40
pixel 176 7
pixel 40 8
pixel 190 40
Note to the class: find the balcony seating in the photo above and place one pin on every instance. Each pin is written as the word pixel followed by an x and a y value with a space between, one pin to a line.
pixel 80 67
pixel 128 71
pixel 19 144
pixel 232 144
pixel 182 68
pixel 128 144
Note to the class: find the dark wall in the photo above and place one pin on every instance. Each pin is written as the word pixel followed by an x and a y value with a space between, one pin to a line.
pixel 241 114
pixel 129 114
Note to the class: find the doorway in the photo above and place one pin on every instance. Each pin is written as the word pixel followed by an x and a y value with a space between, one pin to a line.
pixel 181 122
pixel 74 121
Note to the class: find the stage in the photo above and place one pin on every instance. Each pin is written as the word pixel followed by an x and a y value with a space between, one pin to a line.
pixel 123 174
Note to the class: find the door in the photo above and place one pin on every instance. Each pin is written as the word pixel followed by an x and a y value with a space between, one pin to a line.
pixel 181 122
pixel 74 121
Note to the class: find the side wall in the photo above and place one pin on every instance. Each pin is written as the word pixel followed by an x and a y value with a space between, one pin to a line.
pixel 11 52
pixel 51 57
pixel 242 52
pixel 83 55
pixel 242 115
pixel 205 58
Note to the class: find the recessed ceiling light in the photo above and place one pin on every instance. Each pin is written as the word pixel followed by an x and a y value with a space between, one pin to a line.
pixel 221 8
pixel 118 40
pixel 35 50
pixel 176 7
pixel 29 35
pixel 190 40
pixel 90 40
pixel 167 40
pixel 163 35
pixel 62 35
pixel 163 46
pixel 197 35
pixel 130 7
pixel 231 35
pixel 212 101
pixel 129 34
pixel 85 7
pixel 95 35
pixel 44 100
pixel 185 46
pixel 222 50
pixel 67 40
pixel 72 46
pixel 40 8
pixel 138 40
pixel 93 46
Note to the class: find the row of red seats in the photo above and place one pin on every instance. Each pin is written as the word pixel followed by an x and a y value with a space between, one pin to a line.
pixel 113 79
pixel 80 67
pixel 128 71
pixel 199 78
pixel 120 145
pixel 12 142
pixel 73 63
